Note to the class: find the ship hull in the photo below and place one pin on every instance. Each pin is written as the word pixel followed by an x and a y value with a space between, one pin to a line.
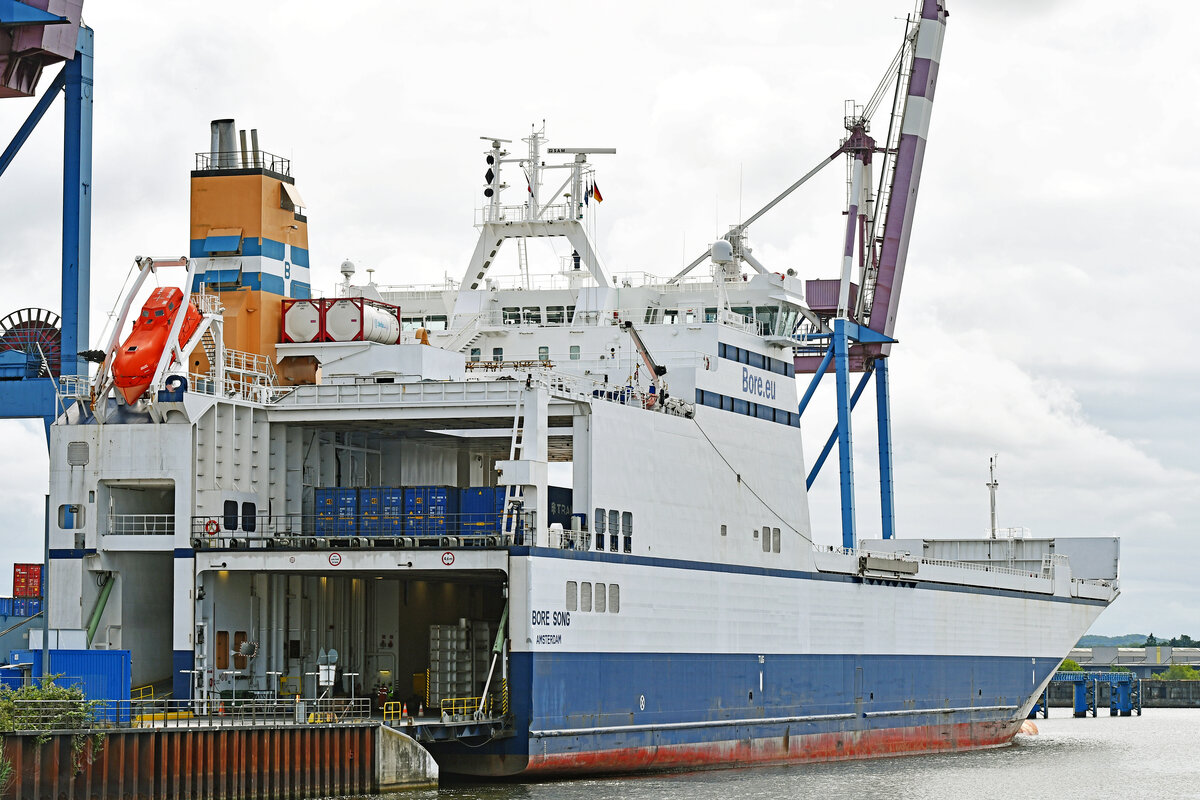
pixel 809 708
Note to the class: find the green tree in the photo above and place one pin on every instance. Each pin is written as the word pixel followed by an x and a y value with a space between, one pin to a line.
pixel 1178 672
pixel 1151 641
pixel 1069 665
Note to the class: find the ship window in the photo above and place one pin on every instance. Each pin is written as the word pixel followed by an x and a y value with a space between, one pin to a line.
pixel 585 596
pixel 710 315
pixel 570 313
pixel 231 515
pixel 774 540
pixel 726 403
pixel 766 540
pixel 670 316
pixel 724 530
pixel 543 354
pixel 497 354
pixel 70 517
pixel 476 354
pixel 599 523
pixel 554 315
pixel 651 317
pixel 436 323
pixel 532 314
pixel 614 598
pixel 146 314
pixel 510 315
pixel 574 352
pixel 158 312
pixel 572 595
pixel 756 360
pixel 767 316
pixel 248 514
pixel 627 530
pixel 614 522
pixel 741 406
pixel 600 598
pixel 691 316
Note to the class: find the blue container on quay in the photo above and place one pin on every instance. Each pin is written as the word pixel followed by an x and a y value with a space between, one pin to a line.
pixel 6 607
pixel 101 674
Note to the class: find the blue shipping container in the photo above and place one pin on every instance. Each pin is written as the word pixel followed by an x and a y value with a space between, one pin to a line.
pixel 21 607
pixel 337 511
pixel 382 511
pixel 6 606
pixel 558 506
pixel 101 674
pixel 430 510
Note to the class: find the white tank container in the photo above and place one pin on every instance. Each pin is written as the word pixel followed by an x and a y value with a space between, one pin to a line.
pixel 351 320
pixel 302 321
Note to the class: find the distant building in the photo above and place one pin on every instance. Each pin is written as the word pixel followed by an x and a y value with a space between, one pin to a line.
pixel 1142 661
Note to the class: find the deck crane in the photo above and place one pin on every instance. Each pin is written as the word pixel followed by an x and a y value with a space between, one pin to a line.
pixel 658 387
pixel 855 333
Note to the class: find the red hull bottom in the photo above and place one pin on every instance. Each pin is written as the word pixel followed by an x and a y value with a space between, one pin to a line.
pixel 841 746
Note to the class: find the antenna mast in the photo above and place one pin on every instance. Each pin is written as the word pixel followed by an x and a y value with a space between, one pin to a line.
pixel 992 485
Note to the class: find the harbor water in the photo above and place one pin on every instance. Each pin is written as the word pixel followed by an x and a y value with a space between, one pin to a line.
pixel 1155 755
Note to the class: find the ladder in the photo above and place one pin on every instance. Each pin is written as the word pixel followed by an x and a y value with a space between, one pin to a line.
pixel 513 503
pixel 523 262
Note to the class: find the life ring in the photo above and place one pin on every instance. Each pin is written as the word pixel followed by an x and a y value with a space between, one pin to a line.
pixel 211 527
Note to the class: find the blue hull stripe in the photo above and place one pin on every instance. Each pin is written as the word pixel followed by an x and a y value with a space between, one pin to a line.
pixel 588 702
pixel 743 569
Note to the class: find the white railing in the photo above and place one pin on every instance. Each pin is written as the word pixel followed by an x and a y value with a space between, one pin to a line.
pixel 942 562
pixel 141 525
pixel 522 213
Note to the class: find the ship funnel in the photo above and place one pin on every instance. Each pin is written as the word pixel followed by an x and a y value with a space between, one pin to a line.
pixel 224 148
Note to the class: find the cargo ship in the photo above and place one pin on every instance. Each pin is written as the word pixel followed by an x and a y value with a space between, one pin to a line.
pixel 356 493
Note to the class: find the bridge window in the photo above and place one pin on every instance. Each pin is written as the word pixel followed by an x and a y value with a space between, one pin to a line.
pixel 532 315
pixel 511 315
pixel 554 315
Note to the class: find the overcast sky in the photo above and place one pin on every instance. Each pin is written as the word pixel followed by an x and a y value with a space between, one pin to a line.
pixel 1047 311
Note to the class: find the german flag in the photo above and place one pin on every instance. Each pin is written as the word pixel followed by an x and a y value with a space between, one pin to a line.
pixel 596 193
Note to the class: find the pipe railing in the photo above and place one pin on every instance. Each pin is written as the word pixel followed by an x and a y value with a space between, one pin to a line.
pixel 214 712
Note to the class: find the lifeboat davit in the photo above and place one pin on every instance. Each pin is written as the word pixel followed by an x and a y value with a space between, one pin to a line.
pixel 134 364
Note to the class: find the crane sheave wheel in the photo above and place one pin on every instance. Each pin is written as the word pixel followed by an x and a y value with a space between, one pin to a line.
pixel 35 331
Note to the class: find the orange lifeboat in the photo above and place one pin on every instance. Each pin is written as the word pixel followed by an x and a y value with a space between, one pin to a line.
pixel 134 364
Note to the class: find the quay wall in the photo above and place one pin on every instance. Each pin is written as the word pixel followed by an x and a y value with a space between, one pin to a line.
pixel 252 763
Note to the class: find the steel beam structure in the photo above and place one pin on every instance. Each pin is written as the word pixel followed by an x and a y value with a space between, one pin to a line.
pixel 36 397
pixel 77 206
pixel 841 364
pixel 883 408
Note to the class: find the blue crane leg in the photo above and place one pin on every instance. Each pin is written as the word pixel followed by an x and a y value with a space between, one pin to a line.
pixel 1081 704
pixel 833 436
pixel 77 206
pixel 841 358
pixel 883 408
